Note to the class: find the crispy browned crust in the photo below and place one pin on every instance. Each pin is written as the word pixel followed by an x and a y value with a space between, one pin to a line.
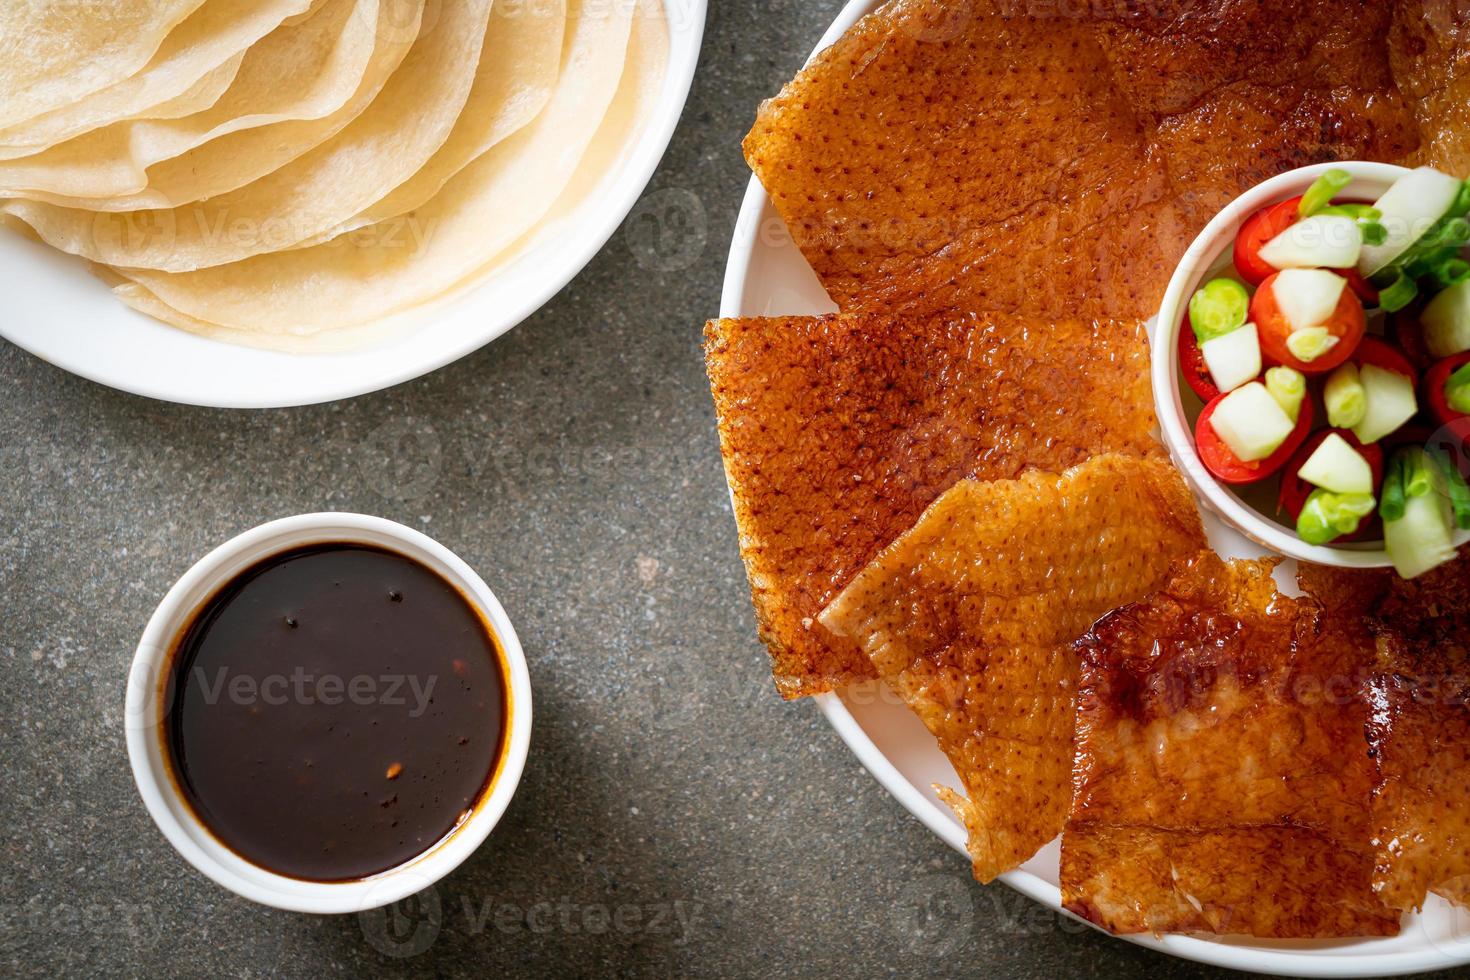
pixel 1231 93
pixel 970 617
pixel 939 156
pixel 838 431
pixel 1429 46
pixel 947 155
pixel 1223 779
pixel 1420 725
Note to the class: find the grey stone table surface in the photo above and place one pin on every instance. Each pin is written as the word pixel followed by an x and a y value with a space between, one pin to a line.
pixel 675 817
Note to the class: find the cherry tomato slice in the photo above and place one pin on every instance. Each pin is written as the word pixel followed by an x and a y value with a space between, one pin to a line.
pixel 1259 229
pixel 1434 388
pixel 1229 468
pixel 1192 364
pixel 1265 225
pixel 1347 323
pixel 1380 353
pixel 1295 490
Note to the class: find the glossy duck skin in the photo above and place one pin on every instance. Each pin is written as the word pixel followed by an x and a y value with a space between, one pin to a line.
pixel 1223 779
pixel 838 431
pixel 1420 726
pixel 970 617
pixel 945 156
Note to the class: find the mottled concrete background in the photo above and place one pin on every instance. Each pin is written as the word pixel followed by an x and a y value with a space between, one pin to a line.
pixel 675 817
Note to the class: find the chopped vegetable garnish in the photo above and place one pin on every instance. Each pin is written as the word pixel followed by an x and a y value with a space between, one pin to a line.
pixel 1454 483
pixel 1390 402
pixel 1418 478
pixel 1307 297
pixel 1328 241
pixel 1422 539
pixel 1295 491
pixel 1440 245
pixel 1446 321
pixel 1369 220
pixel 1233 359
pixel 1417 520
pixel 1302 299
pixel 1363 213
pixel 1457 390
pixel 1310 343
pixel 1452 272
pixel 1322 191
pixel 1433 259
pixel 1337 466
pixel 1288 386
pixel 1319 266
pixel 1250 423
pixel 1414 205
pixel 1327 515
pixel 1221 460
pixel 1398 294
pixel 1395 495
pixel 1373 232
pixel 1217 308
pixel 1346 401
pixel 1447 388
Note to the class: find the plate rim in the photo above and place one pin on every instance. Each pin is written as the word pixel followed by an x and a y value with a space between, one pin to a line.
pixel 686 20
pixel 1307 962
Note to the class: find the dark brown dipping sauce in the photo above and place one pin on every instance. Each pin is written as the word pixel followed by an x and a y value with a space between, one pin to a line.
pixel 335 711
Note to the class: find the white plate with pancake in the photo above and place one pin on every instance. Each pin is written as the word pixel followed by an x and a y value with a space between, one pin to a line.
pixel 766 275
pixel 60 312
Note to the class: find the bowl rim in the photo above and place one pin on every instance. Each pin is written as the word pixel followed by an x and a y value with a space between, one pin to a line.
pixel 177 820
pixel 1203 253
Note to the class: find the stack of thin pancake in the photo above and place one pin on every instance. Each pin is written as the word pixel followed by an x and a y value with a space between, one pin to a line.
pixel 274 172
pixel 946 483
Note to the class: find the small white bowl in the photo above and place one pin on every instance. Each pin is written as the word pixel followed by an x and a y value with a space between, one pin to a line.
pixel 1204 256
pixel 144 711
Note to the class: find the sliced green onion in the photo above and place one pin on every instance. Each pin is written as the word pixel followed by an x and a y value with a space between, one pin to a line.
pixel 1455 233
pixel 1450 271
pixel 1218 307
pixel 1288 386
pixel 1358 212
pixel 1399 294
pixel 1346 398
pixel 1327 515
pixel 1322 191
pixel 1454 483
pixel 1434 247
pixel 1408 476
pixel 1310 343
pixel 1435 255
pixel 1457 389
pixel 1373 232
pixel 1369 219
pixel 1418 477
pixel 1394 498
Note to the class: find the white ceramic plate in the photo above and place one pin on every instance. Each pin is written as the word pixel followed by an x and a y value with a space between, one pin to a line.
pixel 62 314
pixel 766 275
